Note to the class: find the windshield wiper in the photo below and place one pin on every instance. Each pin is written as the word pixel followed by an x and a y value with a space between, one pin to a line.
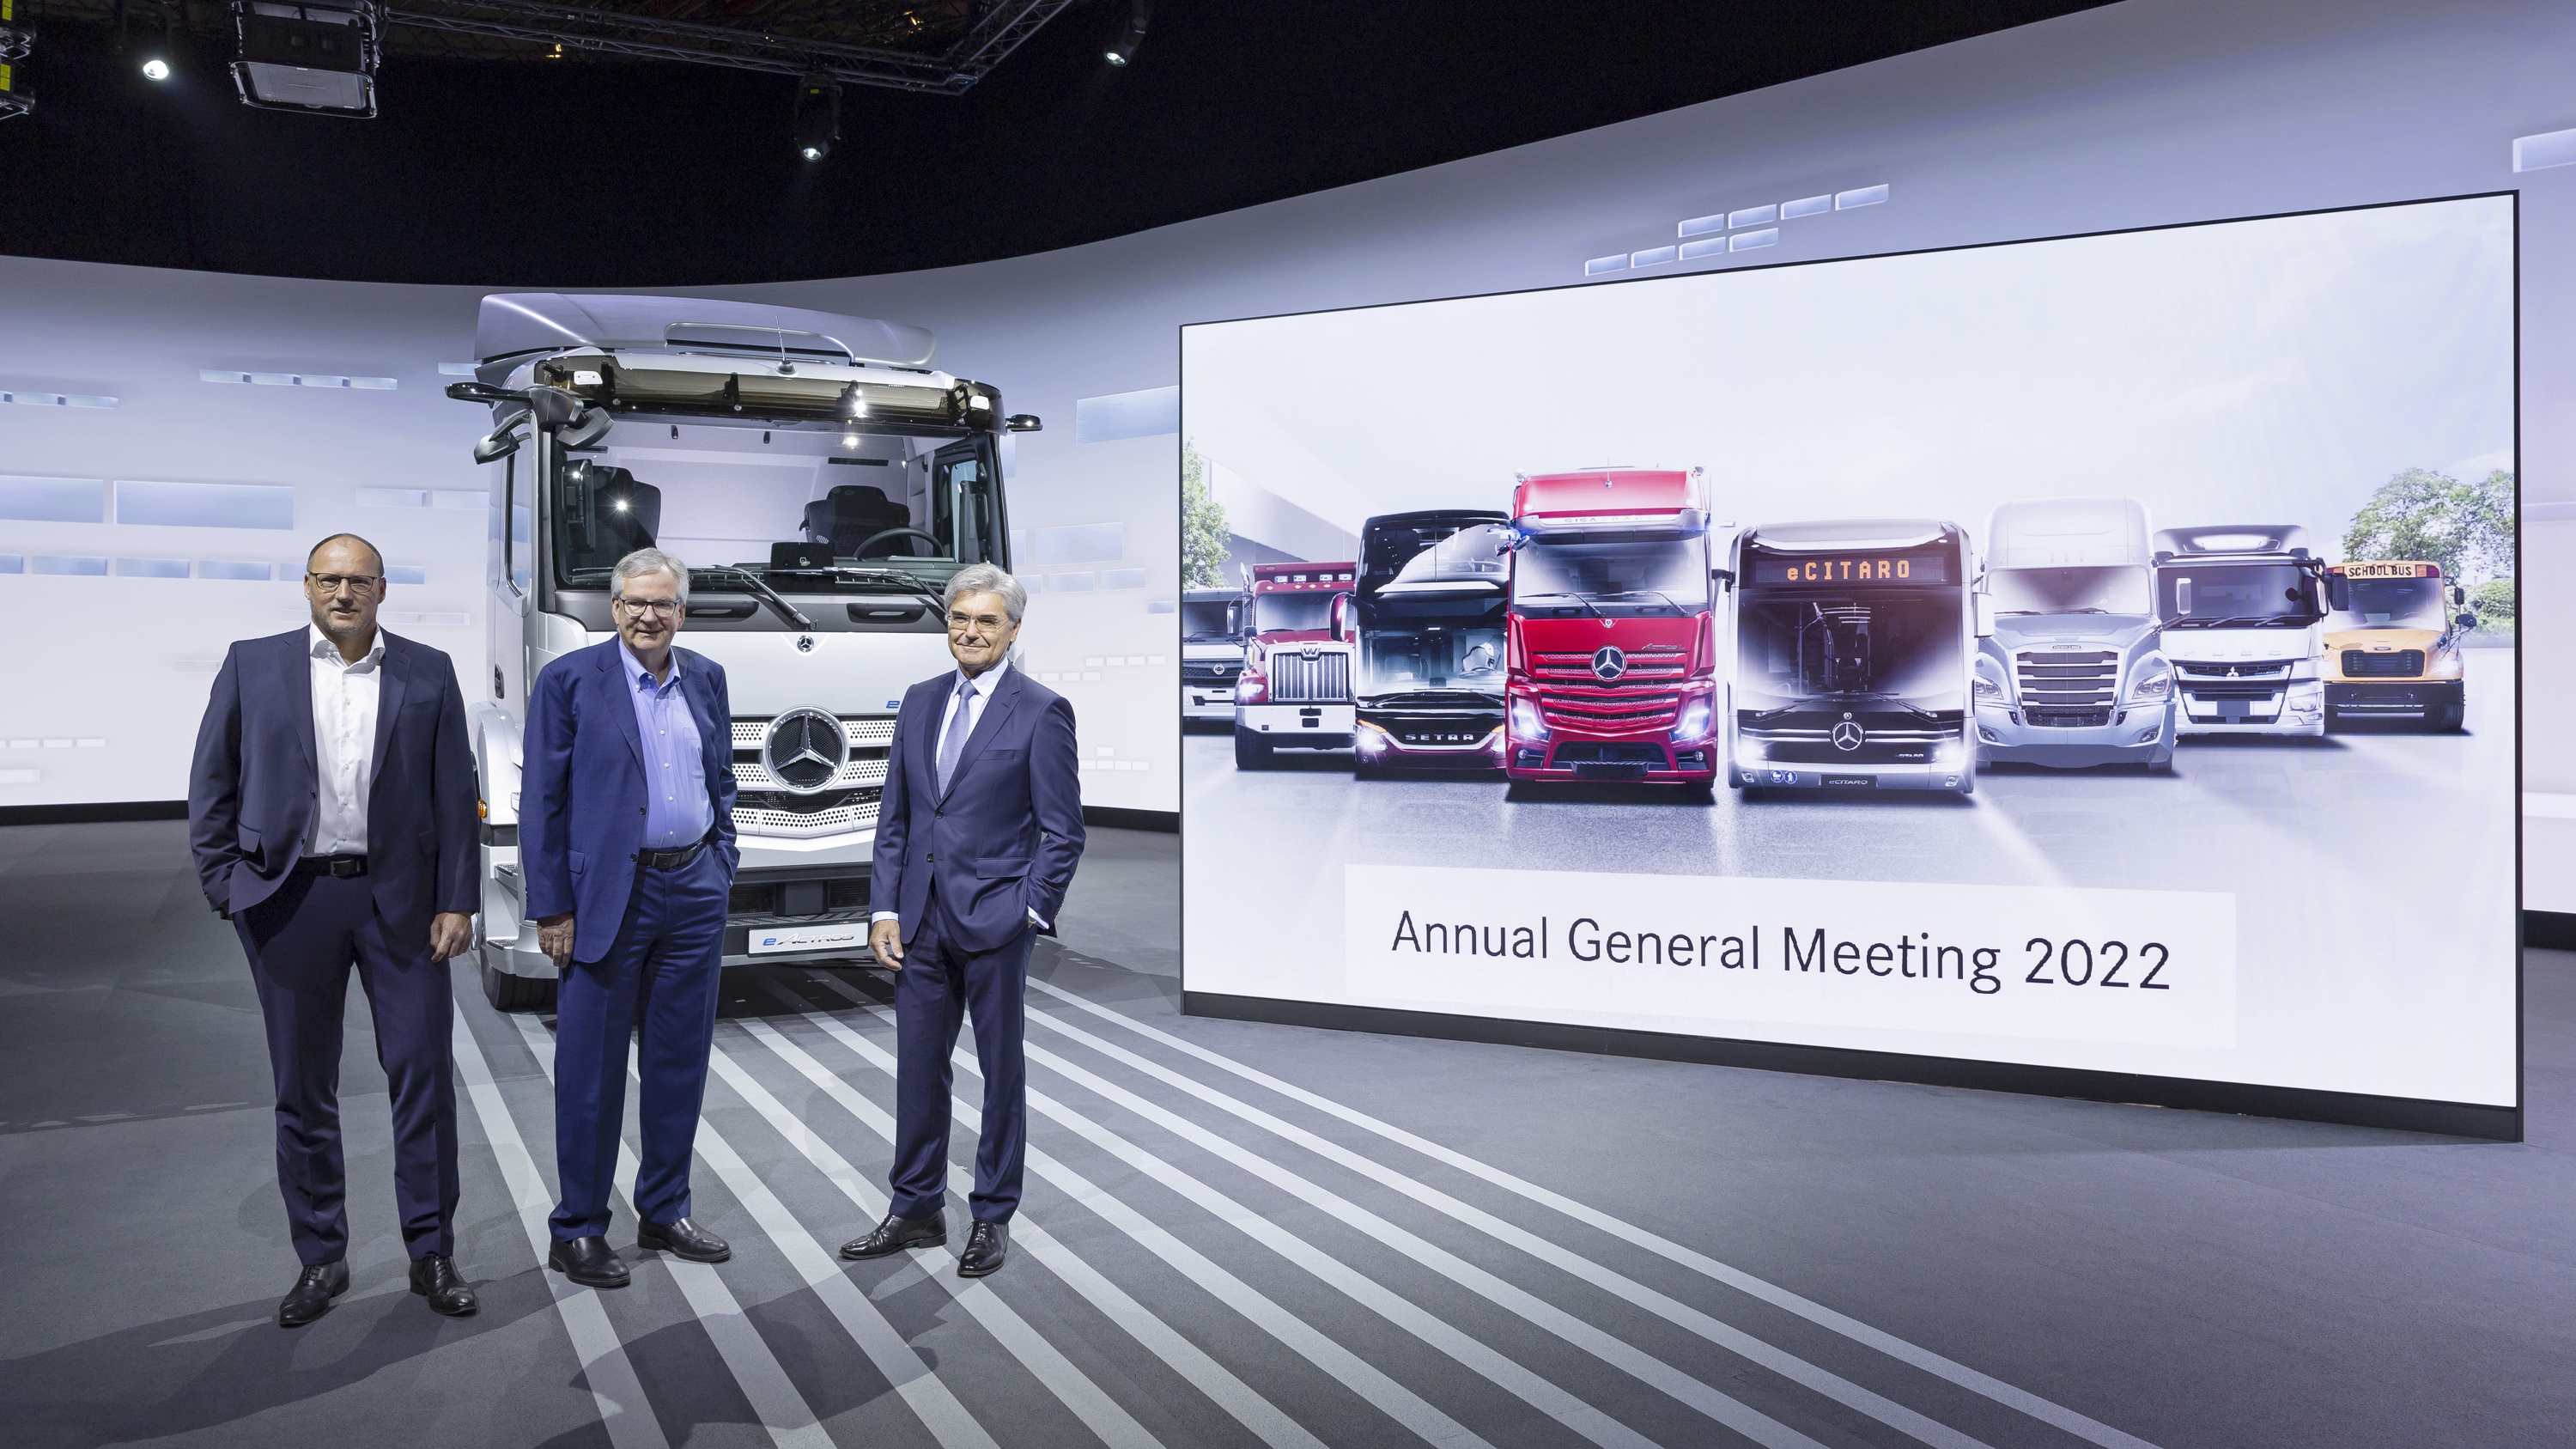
pixel 1665 599
pixel 1577 598
pixel 752 585
pixel 2253 621
pixel 902 581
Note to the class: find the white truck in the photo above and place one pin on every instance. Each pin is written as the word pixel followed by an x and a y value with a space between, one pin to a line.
pixel 1213 622
pixel 2074 674
pixel 821 480
pixel 2241 605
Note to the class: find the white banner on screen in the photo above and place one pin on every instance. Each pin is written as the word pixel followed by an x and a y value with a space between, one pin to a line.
pixel 2062 964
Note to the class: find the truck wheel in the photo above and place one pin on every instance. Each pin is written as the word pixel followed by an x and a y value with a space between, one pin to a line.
pixel 516 993
pixel 1251 751
pixel 2451 717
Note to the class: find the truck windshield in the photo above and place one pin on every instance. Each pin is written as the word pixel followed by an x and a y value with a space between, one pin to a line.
pixel 2393 604
pixel 1399 659
pixel 1303 612
pixel 2235 595
pixel 1558 578
pixel 889 519
pixel 1905 647
pixel 2125 589
pixel 1207 622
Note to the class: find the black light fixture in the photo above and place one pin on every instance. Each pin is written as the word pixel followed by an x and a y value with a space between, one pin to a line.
pixel 320 59
pixel 818 115
pixel 1127 22
pixel 15 42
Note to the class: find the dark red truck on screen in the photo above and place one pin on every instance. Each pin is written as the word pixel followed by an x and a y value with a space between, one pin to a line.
pixel 1295 689
pixel 1613 669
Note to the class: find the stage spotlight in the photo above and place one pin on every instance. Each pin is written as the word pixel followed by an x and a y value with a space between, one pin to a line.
pixel 818 116
pixel 315 58
pixel 1127 22
pixel 156 69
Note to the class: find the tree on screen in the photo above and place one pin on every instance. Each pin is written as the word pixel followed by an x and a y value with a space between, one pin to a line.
pixel 2467 528
pixel 1203 527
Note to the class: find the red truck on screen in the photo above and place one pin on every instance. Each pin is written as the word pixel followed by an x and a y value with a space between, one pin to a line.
pixel 1295 689
pixel 1613 665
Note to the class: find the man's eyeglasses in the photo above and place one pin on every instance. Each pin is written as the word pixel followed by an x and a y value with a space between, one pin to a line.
pixel 360 584
pixel 653 608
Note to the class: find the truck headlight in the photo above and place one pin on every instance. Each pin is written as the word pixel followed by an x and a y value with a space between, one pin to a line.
pixel 1694 721
pixel 2445 666
pixel 1748 755
pixel 1372 738
pixel 1526 723
pixel 2153 687
pixel 1248 687
pixel 1987 691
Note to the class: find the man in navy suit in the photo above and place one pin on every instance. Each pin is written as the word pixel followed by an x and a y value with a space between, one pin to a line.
pixel 978 833
pixel 332 810
pixel 626 838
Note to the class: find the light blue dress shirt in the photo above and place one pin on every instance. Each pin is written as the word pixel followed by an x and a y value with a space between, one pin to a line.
pixel 677 811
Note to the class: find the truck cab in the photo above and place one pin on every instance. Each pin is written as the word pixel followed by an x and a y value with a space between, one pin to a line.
pixel 1852 662
pixel 821 480
pixel 1295 689
pixel 1431 640
pixel 2392 644
pixel 2073 674
pixel 1612 658
pixel 1212 635
pixel 2240 605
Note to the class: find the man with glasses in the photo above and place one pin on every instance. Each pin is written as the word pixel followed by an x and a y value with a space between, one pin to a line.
pixel 332 810
pixel 627 844
pixel 977 837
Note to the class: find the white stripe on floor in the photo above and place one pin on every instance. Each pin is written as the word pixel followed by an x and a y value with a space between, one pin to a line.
pixel 1185 1358
pixel 1358 1375
pixel 1789 1366
pixel 623 1409
pixel 783 1412
pixel 1858 1332
pixel 887 1348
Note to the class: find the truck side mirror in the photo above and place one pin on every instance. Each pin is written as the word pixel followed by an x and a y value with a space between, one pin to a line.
pixel 585 430
pixel 1023 423
pixel 1341 618
pixel 499 443
pixel 553 407
pixel 1723 578
pixel 2468 621
pixel 2182 598
pixel 2338 592
pixel 1985 615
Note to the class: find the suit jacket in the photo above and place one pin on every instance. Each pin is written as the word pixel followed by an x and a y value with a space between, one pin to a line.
pixel 581 786
pixel 254 784
pixel 1003 841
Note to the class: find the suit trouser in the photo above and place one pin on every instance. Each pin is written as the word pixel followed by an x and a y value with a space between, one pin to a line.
pixel 940 982
pixel 661 973
pixel 302 941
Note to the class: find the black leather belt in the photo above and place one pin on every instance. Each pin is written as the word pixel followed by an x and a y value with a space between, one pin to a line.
pixel 339 867
pixel 669 859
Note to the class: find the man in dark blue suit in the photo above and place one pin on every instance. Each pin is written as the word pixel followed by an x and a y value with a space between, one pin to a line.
pixel 332 810
pixel 978 834
pixel 626 838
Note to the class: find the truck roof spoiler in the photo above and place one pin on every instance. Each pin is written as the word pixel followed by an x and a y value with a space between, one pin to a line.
pixel 514 324
pixel 2211 538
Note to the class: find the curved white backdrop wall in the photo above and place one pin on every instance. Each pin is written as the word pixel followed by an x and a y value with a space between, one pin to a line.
pixel 2145 113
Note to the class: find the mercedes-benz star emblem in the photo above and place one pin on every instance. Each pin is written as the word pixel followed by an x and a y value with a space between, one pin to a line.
pixel 804 643
pixel 804 750
pixel 1848 736
pixel 1608 663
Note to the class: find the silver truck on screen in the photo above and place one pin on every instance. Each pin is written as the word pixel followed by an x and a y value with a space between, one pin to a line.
pixel 821 479
pixel 2074 673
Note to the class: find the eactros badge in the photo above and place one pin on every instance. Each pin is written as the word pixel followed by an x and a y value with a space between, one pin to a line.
pixel 804 750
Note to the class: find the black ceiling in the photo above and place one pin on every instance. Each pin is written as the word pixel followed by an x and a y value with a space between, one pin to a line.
pixel 615 173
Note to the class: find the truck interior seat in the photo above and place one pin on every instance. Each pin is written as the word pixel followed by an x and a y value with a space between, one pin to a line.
pixel 624 515
pixel 851 514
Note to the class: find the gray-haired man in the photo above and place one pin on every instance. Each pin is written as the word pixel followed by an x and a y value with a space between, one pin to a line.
pixel 626 839
pixel 977 838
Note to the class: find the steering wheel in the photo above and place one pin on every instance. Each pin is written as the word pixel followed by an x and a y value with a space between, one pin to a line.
pixel 876 538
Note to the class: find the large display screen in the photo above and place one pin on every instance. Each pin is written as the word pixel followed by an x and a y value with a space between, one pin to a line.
pixel 2005 662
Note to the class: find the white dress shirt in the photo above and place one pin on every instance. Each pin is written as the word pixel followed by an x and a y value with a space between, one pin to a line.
pixel 344 743
pixel 972 699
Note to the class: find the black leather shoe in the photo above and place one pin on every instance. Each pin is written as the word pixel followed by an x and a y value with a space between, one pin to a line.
pixel 682 1239
pixel 311 1296
pixel 896 1234
pixel 433 1276
pixel 589 1262
pixel 987 1244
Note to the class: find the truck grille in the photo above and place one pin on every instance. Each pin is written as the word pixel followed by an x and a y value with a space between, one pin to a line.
pixel 2203 690
pixel 1878 746
pixel 1649 666
pixel 2249 669
pixel 1609 711
pixel 2068 689
pixel 1324 679
pixel 871 738
pixel 1210 674
pixel 2403 664
pixel 847 893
